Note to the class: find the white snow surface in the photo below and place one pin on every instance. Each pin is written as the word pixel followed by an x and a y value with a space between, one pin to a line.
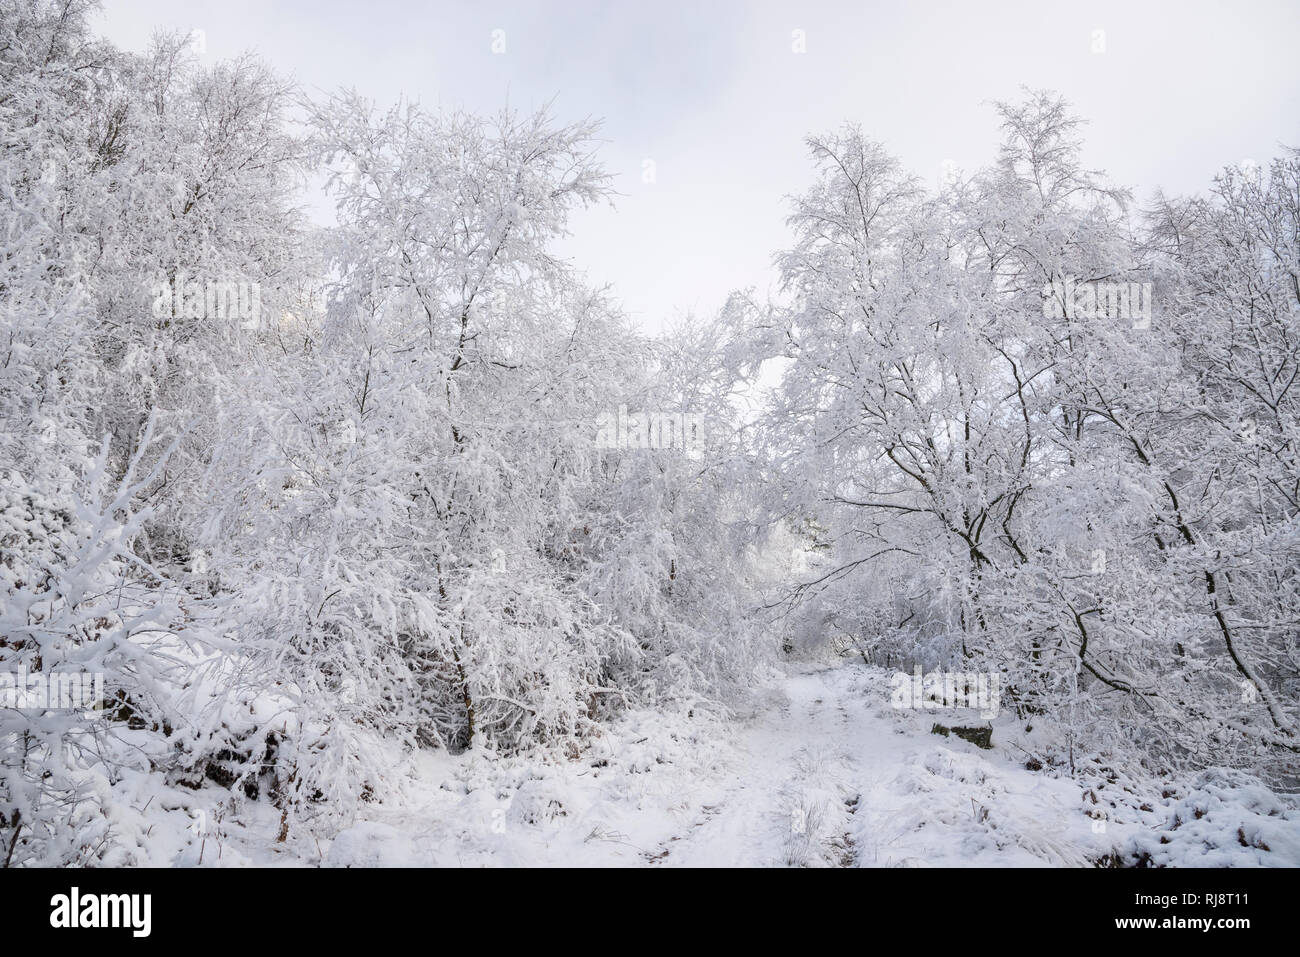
pixel 822 773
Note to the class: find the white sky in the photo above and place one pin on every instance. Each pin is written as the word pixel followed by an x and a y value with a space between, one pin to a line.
pixel 714 95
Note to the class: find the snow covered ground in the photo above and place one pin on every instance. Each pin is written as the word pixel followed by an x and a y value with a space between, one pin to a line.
pixel 824 773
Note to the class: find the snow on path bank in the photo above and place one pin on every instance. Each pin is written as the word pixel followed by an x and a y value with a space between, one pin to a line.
pixel 825 773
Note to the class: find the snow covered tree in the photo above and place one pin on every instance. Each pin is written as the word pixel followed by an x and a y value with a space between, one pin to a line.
pixel 1032 437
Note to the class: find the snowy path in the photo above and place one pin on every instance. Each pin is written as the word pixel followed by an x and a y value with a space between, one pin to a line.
pixel 824 774
pixel 832 777
pixel 797 773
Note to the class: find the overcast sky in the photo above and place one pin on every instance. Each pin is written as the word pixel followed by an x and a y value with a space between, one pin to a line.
pixel 715 95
